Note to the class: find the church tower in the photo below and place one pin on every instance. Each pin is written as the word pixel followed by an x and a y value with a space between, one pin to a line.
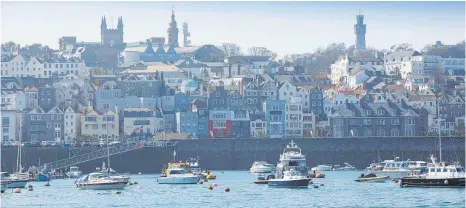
pixel 111 37
pixel 360 32
pixel 173 32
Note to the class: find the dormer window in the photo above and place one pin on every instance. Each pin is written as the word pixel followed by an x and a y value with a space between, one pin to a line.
pixel 380 112
pixel 367 112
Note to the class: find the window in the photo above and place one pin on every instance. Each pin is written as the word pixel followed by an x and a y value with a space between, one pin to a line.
pixel 6 121
pixel 381 121
pixel 90 118
pixel 367 132
pixel 221 101
pixel 49 125
pixel 33 117
pixel 57 134
pixel 104 126
pixel 367 112
pixel 95 126
pixel 5 130
pixel 394 133
pixel 380 112
pixel 381 132
pixel 367 122
pixel 253 124
pixel 409 121
pixel 395 121
pixel 57 125
pixel 219 124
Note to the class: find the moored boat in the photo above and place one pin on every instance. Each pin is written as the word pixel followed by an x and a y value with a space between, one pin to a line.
pixel 42 177
pixel 291 158
pixel 437 175
pixel 371 177
pixel 99 181
pixel 74 172
pixel 261 167
pixel 4 182
pixel 178 176
pixel 290 179
pixel 322 168
pixel 17 180
pixel 392 168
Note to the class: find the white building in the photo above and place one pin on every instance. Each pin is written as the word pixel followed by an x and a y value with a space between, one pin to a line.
pixel 95 124
pixel 411 63
pixel 352 64
pixel 294 118
pixel 286 91
pixel 20 66
pixel 258 128
pixel 72 125
pixel 10 125
pixel 142 121
pixel 14 100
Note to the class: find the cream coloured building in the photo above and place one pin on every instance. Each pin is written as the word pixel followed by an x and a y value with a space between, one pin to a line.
pixel 95 124
pixel 142 121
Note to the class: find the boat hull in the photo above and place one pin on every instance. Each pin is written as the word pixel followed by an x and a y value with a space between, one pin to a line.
pixel 40 177
pixel 380 179
pixel 18 183
pixel 391 174
pixel 178 180
pixel 298 183
pixel 102 186
pixel 431 183
pixel 261 170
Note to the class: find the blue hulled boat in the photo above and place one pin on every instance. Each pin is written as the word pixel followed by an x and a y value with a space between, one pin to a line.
pixel 42 177
pixel 291 179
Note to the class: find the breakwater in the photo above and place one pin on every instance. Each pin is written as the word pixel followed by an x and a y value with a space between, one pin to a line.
pixel 230 154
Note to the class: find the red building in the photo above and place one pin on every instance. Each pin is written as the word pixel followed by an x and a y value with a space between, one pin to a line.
pixel 220 125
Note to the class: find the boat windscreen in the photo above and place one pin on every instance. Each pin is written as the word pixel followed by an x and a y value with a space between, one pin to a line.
pixel 293 163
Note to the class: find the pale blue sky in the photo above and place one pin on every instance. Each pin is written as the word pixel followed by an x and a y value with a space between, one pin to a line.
pixel 283 27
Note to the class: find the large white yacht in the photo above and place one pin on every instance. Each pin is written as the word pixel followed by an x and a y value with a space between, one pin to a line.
pixel 291 158
pixel 322 168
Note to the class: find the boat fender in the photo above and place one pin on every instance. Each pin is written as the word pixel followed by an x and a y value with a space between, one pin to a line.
pixel 210 187
pixel 316 186
pixel 446 182
pixel 200 182
pixel 227 190
pixel 17 190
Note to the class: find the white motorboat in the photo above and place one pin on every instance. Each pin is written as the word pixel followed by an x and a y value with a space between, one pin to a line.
pixel 4 182
pixel 347 167
pixel 99 181
pixel 322 168
pixel 74 172
pixel 290 179
pixel 261 167
pixel 291 158
pixel 116 176
pixel 17 180
pixel 178 176
pixel 391 168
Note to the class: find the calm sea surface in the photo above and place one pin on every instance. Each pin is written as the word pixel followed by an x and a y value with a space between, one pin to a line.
pixel 339 190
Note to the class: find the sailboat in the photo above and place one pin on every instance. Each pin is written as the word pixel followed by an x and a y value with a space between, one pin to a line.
pixel 19 179
pixel 441 174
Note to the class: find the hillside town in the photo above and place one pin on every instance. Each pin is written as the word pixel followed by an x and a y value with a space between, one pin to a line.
pixel 160 88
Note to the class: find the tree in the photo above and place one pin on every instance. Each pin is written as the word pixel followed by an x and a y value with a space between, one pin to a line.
pixel 230 49
pixel 401 47
pixel 261 51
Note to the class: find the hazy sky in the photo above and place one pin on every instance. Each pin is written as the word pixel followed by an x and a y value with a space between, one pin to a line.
pixel 283 27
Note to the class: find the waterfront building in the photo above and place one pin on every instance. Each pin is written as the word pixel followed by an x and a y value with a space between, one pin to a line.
pixel 294 118
pixel 309 125
pixel 286 91
pixel 403 62
pixel 14 99
pixel 41 125
pixel 203 117
pixel 144 122
pixel 368 119
pixel 194 67
pixel 94 124
pixel 217 99
pixel 47 97
pixel 252 97
pixel 275 115
pixel 258 125
pixel 147 85
pixel 170 74
pixel 181 102
pixel 72 122
pixel 240 122
pixel 194 121
pixel 10 125
pixel 220 123
pixel 235 101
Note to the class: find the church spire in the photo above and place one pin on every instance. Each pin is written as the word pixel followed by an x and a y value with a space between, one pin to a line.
pixel 103 24
pixel 120 23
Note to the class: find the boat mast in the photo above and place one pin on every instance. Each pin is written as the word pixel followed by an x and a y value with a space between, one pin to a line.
pixel 439 130
pixel 108 145
pixel 18 160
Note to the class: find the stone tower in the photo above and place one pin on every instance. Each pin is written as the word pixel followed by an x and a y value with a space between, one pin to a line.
pixel 360 32
pixel 173 32
pixel 111 37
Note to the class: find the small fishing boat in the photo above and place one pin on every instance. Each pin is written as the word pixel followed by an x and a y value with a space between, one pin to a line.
pixel 178 176
pixel 261 167
pixel 74 172
pixel 291 179
pixel 99 181
pixel 42 177
pixel 371 177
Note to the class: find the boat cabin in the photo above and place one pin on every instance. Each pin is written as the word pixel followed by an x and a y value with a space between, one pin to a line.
pixel 443 170
pixel 176 172
pixel 74 169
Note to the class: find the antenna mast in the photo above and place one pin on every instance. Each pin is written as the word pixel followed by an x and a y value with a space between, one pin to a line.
pixel 186 35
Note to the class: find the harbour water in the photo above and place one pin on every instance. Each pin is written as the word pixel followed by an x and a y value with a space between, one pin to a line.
pixel 339 190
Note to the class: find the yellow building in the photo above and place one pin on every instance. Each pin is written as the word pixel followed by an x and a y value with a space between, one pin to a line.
pixel 97 124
